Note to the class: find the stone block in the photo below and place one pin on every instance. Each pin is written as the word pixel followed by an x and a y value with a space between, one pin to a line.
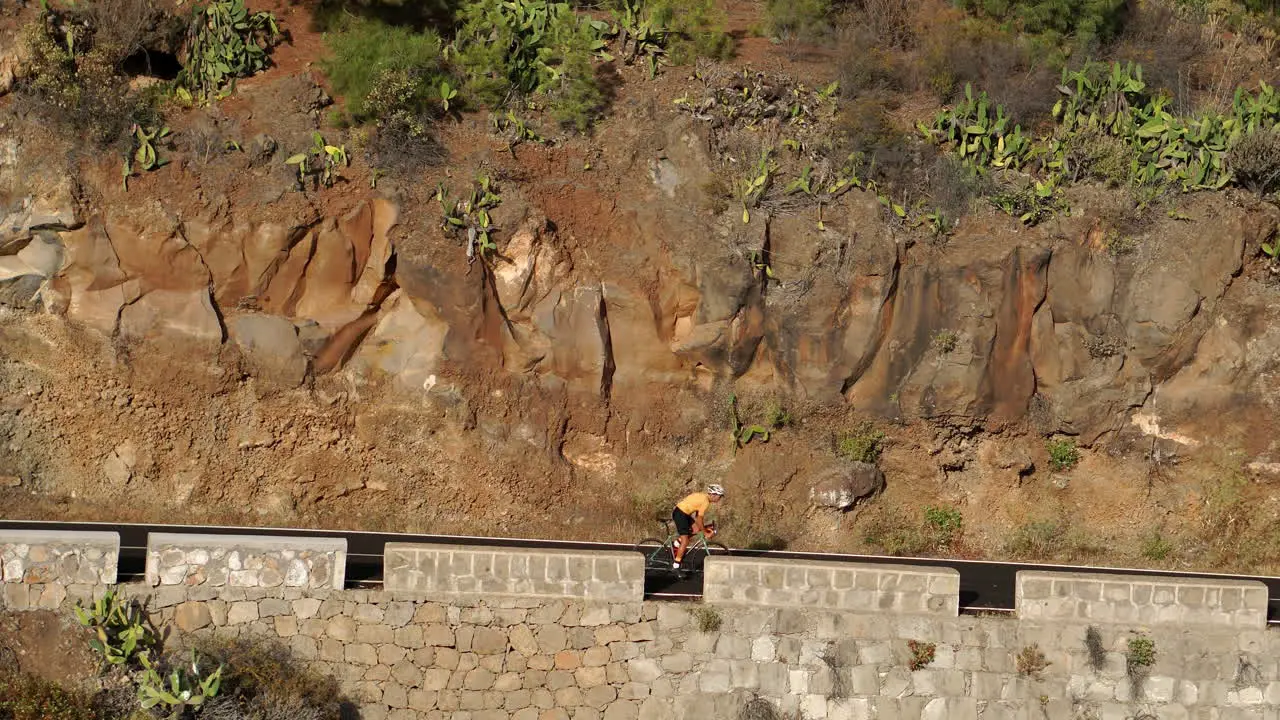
pixel 58 557
pixel 375 634
pixel 245 561
pixel 242 612
pixel 789 583
pixel 602 575
pixel 192 616
pixel 1145 600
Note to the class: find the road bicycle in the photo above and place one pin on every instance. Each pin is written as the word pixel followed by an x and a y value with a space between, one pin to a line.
pixel 660 554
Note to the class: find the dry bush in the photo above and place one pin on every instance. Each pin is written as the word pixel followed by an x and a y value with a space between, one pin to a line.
pixel 1095 651
pixel 1233 532
pixel 758 708
pixel 85 91
pixel 1255 160
pixel 1168 46
pixel 1050 540
pixel 954 189
pixel 863 67
pixel 865 126
pixel 124 28
pixel 397 148
pixel 265 679
pixel 892 23
pixel 954 54
pixel 27 697
pixel 1099 156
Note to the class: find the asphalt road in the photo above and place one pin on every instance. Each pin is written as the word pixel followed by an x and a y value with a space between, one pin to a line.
pixel 984 585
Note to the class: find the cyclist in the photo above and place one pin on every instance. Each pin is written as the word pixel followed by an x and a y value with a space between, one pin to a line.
pixel 690 516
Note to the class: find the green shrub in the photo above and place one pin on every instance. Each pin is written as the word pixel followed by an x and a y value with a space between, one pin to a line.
pixel 1063 454
pixel 650 500
pixel 803 19
pixel 383 72
pixel 776 415
pixel 696 29
pixel 1090 22
pixel 577 100
pixel 862 444
pixel 1032 203
pixel 27 697
pixel 514 48
pixel 1155 547
pixel 418 14
pixel 897 537
pixel 935 530
pixel 1141 652
pixel 944 523
pixel 1234 533
pixel 945 341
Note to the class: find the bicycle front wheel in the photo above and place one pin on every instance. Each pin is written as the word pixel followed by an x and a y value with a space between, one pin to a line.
pixel 696 557
pixel 657 556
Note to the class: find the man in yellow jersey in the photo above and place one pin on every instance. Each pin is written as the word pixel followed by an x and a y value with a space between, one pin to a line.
pixel 690 516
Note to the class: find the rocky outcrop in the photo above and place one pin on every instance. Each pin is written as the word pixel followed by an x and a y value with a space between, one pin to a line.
pixel 957 337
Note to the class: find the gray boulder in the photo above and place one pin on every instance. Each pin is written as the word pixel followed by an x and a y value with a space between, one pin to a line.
pixel 841 487
pixel 272 348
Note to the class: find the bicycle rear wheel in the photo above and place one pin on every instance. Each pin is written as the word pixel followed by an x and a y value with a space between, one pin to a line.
pixel 657 556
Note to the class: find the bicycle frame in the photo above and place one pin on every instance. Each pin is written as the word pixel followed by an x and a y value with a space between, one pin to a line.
pixel 660 554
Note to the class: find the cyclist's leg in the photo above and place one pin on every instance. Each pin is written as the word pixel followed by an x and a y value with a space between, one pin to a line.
pixel 682 544
pixel 684 526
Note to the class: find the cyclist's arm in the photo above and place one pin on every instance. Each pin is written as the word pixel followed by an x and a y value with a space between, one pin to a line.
pixel 698 519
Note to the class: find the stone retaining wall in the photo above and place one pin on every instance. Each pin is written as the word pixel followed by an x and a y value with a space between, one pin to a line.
pixel 1141 600
pixel 68 558
pixel 460 657
pixel 246 561
pixel 432 569
pixel 899 589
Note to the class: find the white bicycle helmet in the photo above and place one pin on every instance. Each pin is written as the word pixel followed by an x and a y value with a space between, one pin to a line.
pixel 715 490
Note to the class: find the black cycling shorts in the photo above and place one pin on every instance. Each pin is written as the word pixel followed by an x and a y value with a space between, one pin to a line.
pixel 683 521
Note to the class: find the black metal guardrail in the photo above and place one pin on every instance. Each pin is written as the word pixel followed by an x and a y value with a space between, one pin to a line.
pixel 985 585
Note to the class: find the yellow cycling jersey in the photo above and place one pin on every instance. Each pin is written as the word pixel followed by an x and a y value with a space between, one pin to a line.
pixel 696 504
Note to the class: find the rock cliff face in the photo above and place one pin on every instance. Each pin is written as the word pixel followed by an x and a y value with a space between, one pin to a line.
pixel 345 354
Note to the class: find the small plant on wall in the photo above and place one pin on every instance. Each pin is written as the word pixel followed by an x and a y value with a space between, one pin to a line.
pixel 922 654
pixel 1031 661
pixel 707 619
pixel 1139 657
